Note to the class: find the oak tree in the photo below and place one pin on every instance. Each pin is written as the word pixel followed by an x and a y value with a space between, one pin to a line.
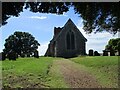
pixel 20 43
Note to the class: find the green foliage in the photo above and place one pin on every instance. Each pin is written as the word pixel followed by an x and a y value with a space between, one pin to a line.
pixel 42 7
pixel 105 69
pixel 21 43
pixel 113 44
pixel 97 16
pixel 11 9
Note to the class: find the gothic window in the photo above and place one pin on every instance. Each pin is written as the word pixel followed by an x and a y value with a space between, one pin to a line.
pixel 70 40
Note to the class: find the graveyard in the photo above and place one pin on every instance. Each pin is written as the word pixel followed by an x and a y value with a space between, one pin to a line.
pixel 59 45
pixel 47 72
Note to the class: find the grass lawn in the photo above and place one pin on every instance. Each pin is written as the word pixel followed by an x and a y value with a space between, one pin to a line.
pixel 40 73
pixel 31 73
pixel 105 69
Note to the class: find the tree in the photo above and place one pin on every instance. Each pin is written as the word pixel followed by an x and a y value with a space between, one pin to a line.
pixel 42 7
pixel 11 9
pixel 20 43
pixel 113 45
pixel 97 16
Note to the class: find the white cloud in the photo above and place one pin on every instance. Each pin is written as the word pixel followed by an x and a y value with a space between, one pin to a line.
pixel 95 41
pixel 62 15
pixel 38 17
pixel 43 48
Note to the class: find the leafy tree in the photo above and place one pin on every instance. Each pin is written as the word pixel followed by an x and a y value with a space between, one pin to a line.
pixel 97 16
pixel 20 43
pixel 11 9
pixel 113 45
pixel 14 8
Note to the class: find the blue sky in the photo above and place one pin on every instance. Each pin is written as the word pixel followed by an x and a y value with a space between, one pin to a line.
pixel 41 26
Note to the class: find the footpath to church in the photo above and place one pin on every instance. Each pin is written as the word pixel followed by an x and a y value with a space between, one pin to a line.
pixel 75 76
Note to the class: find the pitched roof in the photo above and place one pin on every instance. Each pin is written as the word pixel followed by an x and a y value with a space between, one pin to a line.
pixel 69 21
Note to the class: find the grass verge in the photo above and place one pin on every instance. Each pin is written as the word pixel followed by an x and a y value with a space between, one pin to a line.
pixel 30 73
pixel 105 69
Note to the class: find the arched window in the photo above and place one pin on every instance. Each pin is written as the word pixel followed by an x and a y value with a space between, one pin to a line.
pixel 70 40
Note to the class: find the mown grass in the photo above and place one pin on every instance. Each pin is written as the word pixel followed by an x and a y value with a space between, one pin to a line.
pixel 105 69
pixel 40 73
pixel 30 73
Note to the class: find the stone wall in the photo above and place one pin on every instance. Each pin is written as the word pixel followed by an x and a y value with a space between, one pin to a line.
pixel 79 43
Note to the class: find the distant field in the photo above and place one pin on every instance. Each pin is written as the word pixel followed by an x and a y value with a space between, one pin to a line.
pixel 105 69
pixel 39 73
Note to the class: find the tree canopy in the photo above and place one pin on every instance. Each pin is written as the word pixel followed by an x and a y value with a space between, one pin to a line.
pixel 97 16
pixel 114 45
pixel 20 43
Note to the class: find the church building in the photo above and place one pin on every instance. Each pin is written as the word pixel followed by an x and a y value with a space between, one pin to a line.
pixel 67 42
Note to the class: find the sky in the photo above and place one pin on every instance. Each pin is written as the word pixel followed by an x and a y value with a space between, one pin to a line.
pixel 41 26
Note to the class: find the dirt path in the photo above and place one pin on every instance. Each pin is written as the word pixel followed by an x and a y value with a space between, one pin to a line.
pixel 75 76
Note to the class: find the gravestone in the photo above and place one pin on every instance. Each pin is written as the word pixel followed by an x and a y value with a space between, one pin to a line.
pixel 105 53
pixel 112 53
pixel 28 54
pixel 90 52
pixel 22 55
pixel 36 54
pixel 3 56
pixel 96 53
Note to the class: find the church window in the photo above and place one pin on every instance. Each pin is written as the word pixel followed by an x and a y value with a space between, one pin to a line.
pixel 70 40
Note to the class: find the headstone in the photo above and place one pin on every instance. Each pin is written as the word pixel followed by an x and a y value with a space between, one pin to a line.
pixel 96 53
pixel 105 53
pixel 2 56
pixel 36 54
pixel 28 54
pixel 112 53
pixel 90 52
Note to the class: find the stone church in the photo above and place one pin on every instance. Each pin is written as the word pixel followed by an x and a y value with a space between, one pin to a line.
pixel 67 42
